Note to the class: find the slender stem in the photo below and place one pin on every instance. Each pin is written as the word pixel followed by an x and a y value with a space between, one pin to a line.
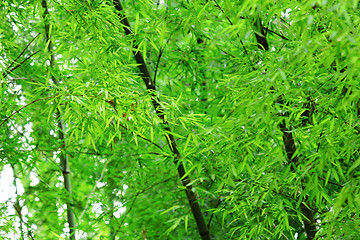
pixel 93 190
pixel 278 34
pixel 20 64
pixel 289 142
pixel 229 20
pixel 128 210
pixel 150 85
pixel 64 158
pixel 15 112
pixel 22 52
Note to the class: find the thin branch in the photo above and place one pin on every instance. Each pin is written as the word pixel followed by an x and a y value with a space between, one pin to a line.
pixel 134 199
pixel 144 138
pixel 37 100
pixel 213 212
pixel 336 184
pixel 127 129
pixel 88 153
pixel 282 234
pixel 278 34
pixel 227 53
pixel 93 190
pixel 111 154
pixel 6 71
pixel 159 57
pixel 229 20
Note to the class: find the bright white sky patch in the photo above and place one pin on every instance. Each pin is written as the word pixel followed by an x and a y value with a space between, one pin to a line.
pixel 7 189
pixel 120 209
pixel 286 13
pixel 100 184
pixel 97 208
pixel 34 179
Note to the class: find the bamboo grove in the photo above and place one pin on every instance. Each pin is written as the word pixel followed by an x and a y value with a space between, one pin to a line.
pixel 180 119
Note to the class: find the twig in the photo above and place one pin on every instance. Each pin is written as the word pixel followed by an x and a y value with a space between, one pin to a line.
pixel 227 53
pixel 336 184
pixel 217 5
pixel 282 234
pixel 212 214
pixel 6 71
pixel 6 119
pixel 134 199
pixel 160 54
pixel 278 34
pixel 144 138
pixel 88 153
pixel 93 190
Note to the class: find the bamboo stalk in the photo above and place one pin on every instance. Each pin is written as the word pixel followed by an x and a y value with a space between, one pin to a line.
pixel 289 142
pixel 63 156
pixel 150 85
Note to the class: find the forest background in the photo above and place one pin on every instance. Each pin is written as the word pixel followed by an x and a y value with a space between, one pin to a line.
pixel 180 119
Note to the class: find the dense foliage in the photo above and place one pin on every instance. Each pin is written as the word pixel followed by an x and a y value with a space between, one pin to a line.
pixel 180 119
